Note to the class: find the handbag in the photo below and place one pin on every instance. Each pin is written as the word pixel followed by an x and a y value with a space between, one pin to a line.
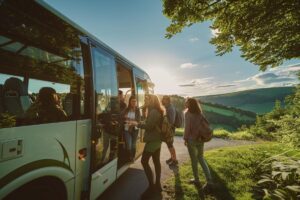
pixel 205 132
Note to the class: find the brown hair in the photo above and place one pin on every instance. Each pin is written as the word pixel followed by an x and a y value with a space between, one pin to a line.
pixel 193 106
pixel 129 103
pixel 46 96
pixel 155 103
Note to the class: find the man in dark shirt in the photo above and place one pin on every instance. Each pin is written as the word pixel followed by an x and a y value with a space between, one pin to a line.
pixel 122 101
pixel 171 114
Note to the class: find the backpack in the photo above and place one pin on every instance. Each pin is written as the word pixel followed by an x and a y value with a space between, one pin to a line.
pixel 166 130
pixel 178 119
pixel 205 132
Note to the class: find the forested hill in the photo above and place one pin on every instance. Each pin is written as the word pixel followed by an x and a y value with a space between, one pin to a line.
pixel 258 100
pixel 225 117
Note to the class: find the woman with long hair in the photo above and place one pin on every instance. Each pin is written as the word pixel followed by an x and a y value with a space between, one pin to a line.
pixel 193 118
pixel 132 117
pixel 152 138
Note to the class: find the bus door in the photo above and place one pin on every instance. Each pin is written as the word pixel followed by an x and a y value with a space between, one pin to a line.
pixel 141 89
pixel 107 110
pixel 126 85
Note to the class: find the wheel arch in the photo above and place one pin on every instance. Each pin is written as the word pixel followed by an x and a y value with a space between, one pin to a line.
pixel 62 177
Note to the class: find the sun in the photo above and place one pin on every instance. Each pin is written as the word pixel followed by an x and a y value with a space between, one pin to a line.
pixel 165 81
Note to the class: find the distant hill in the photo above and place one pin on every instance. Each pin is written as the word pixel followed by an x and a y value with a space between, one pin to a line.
pixel 258 100
pixel 227 118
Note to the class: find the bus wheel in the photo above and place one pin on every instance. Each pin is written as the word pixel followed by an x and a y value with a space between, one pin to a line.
pixel 45 189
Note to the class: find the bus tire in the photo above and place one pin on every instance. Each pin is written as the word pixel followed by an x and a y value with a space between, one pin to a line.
pixel 47 188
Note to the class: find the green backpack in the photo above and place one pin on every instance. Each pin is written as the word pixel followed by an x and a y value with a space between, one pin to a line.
pixel 166 130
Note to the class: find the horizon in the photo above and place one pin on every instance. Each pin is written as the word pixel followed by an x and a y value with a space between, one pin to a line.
pixel 293 86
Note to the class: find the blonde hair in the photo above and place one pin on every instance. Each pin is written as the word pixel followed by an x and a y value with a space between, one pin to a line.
pixel 155 103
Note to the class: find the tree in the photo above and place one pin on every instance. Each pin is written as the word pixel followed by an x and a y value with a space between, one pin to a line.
pixel 267 31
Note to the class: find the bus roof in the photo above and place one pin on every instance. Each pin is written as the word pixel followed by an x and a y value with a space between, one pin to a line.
pixel 139 71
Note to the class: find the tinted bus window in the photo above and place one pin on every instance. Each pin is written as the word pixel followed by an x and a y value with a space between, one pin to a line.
pixel 38 50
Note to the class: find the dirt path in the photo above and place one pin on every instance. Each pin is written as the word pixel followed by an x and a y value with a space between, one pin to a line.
pixel 133 182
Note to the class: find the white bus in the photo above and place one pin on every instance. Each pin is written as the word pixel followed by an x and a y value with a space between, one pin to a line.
pixel 77 157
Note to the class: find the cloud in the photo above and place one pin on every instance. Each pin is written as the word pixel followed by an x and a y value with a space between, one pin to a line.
pixel 224 86
pixel 194 39
pixel 269 78
pixel 275 77
pixel 188 65
pixel 201 82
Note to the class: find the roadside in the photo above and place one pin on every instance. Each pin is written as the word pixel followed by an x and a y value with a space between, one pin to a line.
pixel 133 182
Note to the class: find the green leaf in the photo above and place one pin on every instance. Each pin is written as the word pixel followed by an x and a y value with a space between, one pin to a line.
pixel 265 180
pixel 281 194
pixel 294 188
pixel 275 173
pixel 284 175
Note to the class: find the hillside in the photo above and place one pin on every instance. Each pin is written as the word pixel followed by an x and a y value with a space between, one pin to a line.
pixel 228 118
pixel 259 100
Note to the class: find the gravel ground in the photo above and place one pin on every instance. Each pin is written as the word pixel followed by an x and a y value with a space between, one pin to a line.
pixel 133 182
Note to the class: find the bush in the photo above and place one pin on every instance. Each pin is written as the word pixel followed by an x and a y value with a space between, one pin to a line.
pixel 280 179
pixel 221 133
pixel 242 135
pixel 179 131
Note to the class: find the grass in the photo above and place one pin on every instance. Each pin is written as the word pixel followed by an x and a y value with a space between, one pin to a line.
pixel 233 170
pixel 239 135
pixel 222 133
pixel 179 131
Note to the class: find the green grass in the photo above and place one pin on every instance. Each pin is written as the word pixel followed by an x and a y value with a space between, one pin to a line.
pixel 239 135
pixel 179 131
pixel 222 133
pixel 233 170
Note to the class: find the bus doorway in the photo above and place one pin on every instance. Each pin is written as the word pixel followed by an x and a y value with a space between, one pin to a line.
pixel 126 90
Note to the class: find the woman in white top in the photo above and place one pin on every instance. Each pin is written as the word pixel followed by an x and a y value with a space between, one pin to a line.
pixel 132 117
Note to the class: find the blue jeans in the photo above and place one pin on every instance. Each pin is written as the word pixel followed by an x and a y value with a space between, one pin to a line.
pixel 195 149
pixel 130 139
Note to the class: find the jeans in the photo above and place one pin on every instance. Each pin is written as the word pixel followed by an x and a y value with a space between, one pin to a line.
pixel 156 161
pixel 195 149
pixel 130 139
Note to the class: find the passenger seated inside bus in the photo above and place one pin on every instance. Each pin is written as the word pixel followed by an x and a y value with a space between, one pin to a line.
pixel 15 97
pixel 47 107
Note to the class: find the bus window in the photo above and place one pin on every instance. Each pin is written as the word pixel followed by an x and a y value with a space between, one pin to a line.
pixel 32 57
pixel 125 81
pixel 107 105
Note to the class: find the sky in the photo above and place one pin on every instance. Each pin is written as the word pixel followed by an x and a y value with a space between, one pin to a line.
pixel 185 64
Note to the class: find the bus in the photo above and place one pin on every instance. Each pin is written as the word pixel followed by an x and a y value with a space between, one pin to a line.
pixel 81 155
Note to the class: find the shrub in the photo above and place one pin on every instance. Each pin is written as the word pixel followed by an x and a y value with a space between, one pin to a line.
pixel 280 179
pixel 242 135
pixel 221 133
